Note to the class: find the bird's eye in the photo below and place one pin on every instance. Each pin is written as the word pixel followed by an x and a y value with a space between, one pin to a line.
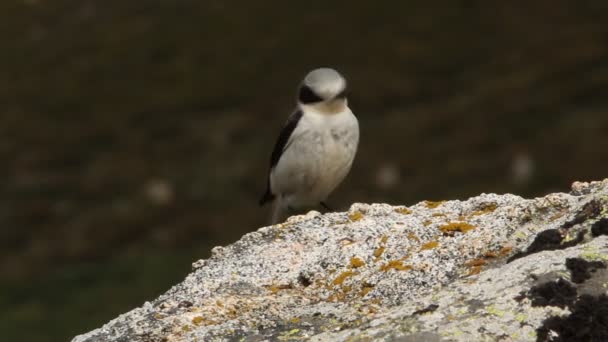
pixel 308 96
pixel 342 94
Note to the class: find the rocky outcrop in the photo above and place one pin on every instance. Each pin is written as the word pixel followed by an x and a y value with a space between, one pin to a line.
pixel 496 267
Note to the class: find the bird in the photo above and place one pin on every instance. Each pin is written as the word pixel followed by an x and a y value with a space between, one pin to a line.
pixel 315 148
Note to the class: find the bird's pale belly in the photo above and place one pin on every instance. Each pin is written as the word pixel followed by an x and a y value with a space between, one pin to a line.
pixel 314 166
pixel 334 165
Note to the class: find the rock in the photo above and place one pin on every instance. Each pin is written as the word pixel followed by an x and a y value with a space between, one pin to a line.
pixel 488 268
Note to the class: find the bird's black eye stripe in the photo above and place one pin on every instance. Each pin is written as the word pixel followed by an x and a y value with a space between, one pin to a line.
pixel 308 96
pixel 342 94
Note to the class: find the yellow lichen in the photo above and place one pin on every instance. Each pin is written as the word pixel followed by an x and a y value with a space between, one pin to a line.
pixel 356 262
pixel 232 313
pixel 337 297
pixel 371 310
pixel 295 320
pixel 404 211
pixel 433 204
pixel 474 270
pixel 427 222
pixel 490 254
pixel 589 255
pixel 342 277
pixel 429 245
pixel 375 301
pixel 356 216
pixel 450 228
pixel 476 262
pixel 346 242
pixel 378 252
pixel 413 236
pixel 199 320
pixel 365 290
pixel 274 288
pixel 485 209
pixel 439 215
pixel 186 328
pixel 558 215
pixel 384 238
pixel 500 253
pixel 395 265
pixel 505 250
pixel 494 311
pixel 293 332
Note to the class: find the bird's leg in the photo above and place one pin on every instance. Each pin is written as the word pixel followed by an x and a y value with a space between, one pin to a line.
pixel 325 206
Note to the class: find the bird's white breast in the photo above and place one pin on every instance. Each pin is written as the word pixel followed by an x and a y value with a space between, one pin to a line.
pixel 318 156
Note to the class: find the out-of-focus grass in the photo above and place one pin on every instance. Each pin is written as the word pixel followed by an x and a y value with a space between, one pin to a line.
pixel 76 298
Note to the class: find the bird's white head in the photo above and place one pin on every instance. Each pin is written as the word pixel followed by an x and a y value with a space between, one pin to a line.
pixel 323 90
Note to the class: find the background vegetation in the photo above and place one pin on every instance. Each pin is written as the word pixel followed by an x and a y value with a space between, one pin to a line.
pixel 134 136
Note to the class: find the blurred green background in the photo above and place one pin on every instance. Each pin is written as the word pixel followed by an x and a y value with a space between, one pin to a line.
pixel 135 135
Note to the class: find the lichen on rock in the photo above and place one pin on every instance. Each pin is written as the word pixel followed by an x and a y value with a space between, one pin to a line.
pixel 437 271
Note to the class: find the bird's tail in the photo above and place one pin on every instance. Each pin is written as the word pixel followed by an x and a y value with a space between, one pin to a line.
pixel 267 196
pixel 279 212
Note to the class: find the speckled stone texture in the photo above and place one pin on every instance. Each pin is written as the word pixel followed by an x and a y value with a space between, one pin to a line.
pixel 436 271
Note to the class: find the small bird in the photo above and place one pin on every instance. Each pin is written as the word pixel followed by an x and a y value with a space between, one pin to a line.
pixel 316 147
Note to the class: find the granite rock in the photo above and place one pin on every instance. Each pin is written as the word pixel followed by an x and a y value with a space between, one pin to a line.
pixel 492 267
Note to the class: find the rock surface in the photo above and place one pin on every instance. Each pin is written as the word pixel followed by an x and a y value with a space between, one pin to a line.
pixel 493 267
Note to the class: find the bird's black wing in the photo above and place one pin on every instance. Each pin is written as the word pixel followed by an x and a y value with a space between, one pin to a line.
pixel 279 147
